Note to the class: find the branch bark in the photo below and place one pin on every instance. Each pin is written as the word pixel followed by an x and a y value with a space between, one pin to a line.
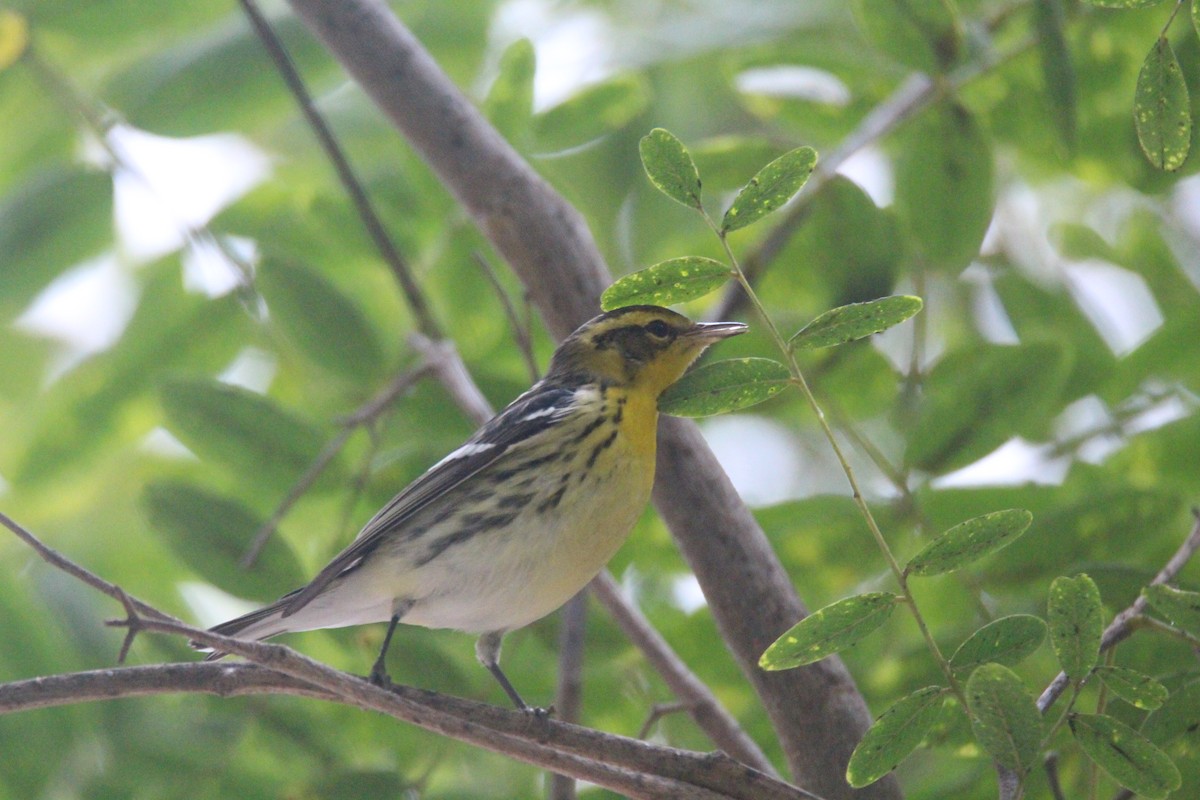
pixel 817 711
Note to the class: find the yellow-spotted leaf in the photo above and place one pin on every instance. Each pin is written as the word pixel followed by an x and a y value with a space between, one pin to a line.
pixel 855 321
pixel 1161 112
pixel 1182 608
pixel 670 167
pixel 773 186
pixel 1129 758
pixel 666 283
pixel 969 541
pixel 1004 718
pixel 830 630
pixel 1008 641
pixel 896 733
pixel 724 386
pixel 1140 691
pixel 1076 619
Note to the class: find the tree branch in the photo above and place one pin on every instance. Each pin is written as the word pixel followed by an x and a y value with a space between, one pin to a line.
pixel 547 243
pixel 1121 626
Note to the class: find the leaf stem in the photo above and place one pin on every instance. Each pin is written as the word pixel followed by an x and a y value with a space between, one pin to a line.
pixel 859 500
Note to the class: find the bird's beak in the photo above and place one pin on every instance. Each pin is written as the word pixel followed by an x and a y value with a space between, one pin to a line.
pixel 709 332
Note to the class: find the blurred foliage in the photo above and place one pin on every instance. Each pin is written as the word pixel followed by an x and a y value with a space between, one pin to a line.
pixel 1058 269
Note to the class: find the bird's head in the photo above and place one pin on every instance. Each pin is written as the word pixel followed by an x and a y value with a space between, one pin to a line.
pixel 644 347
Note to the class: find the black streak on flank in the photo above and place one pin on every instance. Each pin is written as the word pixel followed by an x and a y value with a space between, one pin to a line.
pixel 553 500
pixel 514 501
pixel 472 525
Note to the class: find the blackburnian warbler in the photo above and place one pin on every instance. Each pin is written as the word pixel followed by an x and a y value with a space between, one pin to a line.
pixel 512 524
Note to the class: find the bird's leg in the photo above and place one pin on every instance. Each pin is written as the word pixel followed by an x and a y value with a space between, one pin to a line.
pixel 379 675
pixel 487 650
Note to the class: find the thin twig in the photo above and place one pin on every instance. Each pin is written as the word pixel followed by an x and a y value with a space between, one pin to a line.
pixel 443 359
pixel 1120 627
pixel 520 328
pixel 568 700
pixel 657 712
pixel 365 415
pixel 59 561
pixel 916 93
pixel 417 303
pixel 701 704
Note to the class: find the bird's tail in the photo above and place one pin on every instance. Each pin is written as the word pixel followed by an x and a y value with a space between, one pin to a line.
pixel 257 625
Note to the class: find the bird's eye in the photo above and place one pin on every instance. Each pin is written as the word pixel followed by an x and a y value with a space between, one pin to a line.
pixel 658 329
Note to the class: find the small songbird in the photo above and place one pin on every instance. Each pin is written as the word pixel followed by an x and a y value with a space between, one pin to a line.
pixel 513 523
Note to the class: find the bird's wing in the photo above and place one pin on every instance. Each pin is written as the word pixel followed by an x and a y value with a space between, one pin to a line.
pixel 516 427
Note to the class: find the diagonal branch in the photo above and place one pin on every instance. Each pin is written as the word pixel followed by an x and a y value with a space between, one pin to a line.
pixel 817 711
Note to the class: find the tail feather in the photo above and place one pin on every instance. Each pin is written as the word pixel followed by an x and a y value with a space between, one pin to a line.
pixel 257 625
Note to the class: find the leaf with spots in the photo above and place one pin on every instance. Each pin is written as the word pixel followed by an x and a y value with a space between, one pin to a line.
pixel 896 733
pixel 675 281
pixel 773 186
pixel 1140 691
pixel 969 541
pixel 1129 758
pixel 855 321
pixel 1004 718
pixel 830 630
pixel 1161 112
pixel 1076 618
pixel 670 167
pixel 724 386
pixel 1008 640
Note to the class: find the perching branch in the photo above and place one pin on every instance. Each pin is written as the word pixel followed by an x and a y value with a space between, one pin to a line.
pixel 625 765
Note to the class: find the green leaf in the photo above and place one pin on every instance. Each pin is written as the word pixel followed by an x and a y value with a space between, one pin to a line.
pixel 1005 720
pixel 896 733
pixel 979 397
pixel 768 190
pixel 1076 618
pixel 670 167
pixel 1180 607
pixel 241 430
pixel 1058 73
pixel 724 386
pixel 316 317
pixel 855 321
pixel 1008 641
pixel 970 541
pixel 830 630
pixel 596 111
pixel 1128 757
pixel 210 534
pixel 34 253
pixel 509 103
pixel 1133 687
pixel 666 283
pixel 926 35
pixel 1176 719
pixel 1161 112
pixel 944 185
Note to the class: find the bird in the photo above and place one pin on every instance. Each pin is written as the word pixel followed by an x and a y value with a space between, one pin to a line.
pixel 512 524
